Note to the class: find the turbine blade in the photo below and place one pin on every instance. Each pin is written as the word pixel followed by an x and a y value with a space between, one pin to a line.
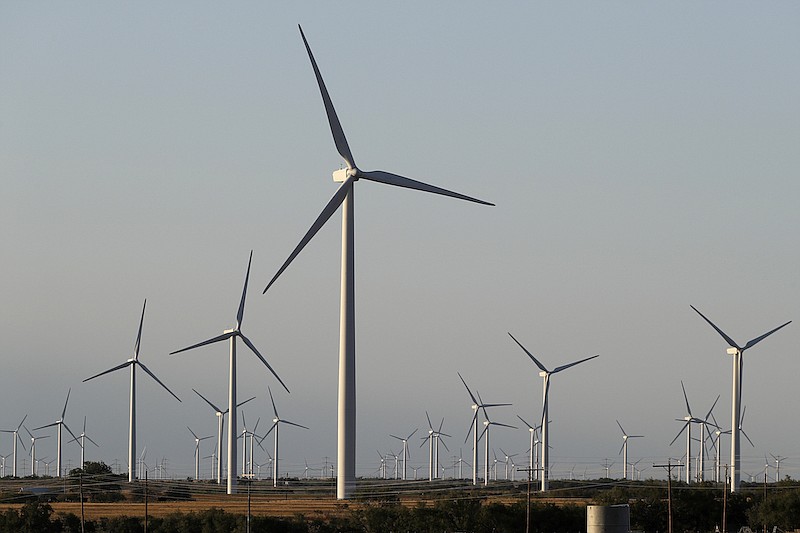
pixel 64 412
pixel 400 181
pixel 443 444
pixel 621 448
pixel 240 313
pixel 157 380
pixel 42 427
pixel 485 405
pixel 540 365
pixel 471 424
pixel 253 348
pixel 69 431
pixel 412 434
pixel 430 425
pixel 192 432
pixel 214 407
pixel 504 425
pixel 564 367
pixel 679 433
pixel 90 440
pixel 244 402
pixel 139 334
pixel 218 338
pixel 712 408
pixel 730 341
pixel 22 422
pixel 294 424
pixel 620 427
pixel 123 365
pixel 333 120
pixel 468 391
pixel 332 205
pixel 274 409
pixel 755 341
pixel 688 409
pixel 748 438
pixel 523 421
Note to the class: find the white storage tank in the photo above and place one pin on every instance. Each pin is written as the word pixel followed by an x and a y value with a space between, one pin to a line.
pixel 608 518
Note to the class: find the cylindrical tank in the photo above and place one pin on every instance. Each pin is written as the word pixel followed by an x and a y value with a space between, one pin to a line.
pixel 608 518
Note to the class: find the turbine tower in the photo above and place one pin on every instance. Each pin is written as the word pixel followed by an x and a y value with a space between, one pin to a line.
pixel 346 457
pixel 689 419
pixel 231 334
pixel 59 423
pixel 81 440
pixel 197 452
pixel 624 449
pixel 15 437
pixel 545 374
pixel 533 462
pixel 132 363
pixel 736 396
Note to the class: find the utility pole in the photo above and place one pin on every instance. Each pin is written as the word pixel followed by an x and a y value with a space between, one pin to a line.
pixel 669 466
pixel 530 471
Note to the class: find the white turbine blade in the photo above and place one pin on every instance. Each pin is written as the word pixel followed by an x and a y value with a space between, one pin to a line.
pixel 218 338
pixel 84 424
pixel 157 380
pixel 214 407
pixel 293 424
pixel 564 367
pixel 240 313
pixel 755 341
pixel 332 205
pixel 468 391
pixel 253 348
pixel 64 412
pixel 540 365
pixel 123 365
pixel 400 181
pixel 485 405
pixel 430 425
pixel 139 334
pixel 336 127
pixel 731 342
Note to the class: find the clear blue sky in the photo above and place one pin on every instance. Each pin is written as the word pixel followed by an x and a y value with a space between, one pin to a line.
pixel 643 157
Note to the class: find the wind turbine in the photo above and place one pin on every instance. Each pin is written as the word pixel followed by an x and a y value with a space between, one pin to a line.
pixel 624 449
pixel 197 452
pixel 132 363
pixel 433 438
pixel 59 423
pixel 406 453
pixel 3 464
pixel 33 449
pixel 533 462
pixel 689 419
pixel 275 423
pixel 220 424
pixel 15 437
pixel 232 334
pixel 81 440
pixel 345 480
pixel 486 424
pixel 545 374
pixel 476 407
pixel 778 460
pixel 736 397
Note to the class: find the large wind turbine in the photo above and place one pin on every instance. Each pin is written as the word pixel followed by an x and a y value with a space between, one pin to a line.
pixel 132 363
pixel 231 334
pixel 276 422
pixel 545 374
pixel 736 397
pixel 346 463
pixel 60 423
pixel 220 425
pixel 406 453
pixel 16 437
pixel 624 449
pixel 476 407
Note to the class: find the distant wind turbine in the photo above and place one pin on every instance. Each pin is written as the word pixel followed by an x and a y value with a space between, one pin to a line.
pixel 81 440
pixel 15 437
pixel 133 362
pixel 736 397
pixel 406 453
pixel 345 482
pixel 33 448
pixel 59 424
pixel 485 434
pixel 545 374
pixel 232 334
pixel 624 449
pixel 275 426
pixel 197 452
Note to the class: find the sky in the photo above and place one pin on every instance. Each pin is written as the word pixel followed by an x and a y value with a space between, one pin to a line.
pixel 642 158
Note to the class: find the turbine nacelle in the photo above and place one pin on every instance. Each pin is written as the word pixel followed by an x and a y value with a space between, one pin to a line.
pixel 342 175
